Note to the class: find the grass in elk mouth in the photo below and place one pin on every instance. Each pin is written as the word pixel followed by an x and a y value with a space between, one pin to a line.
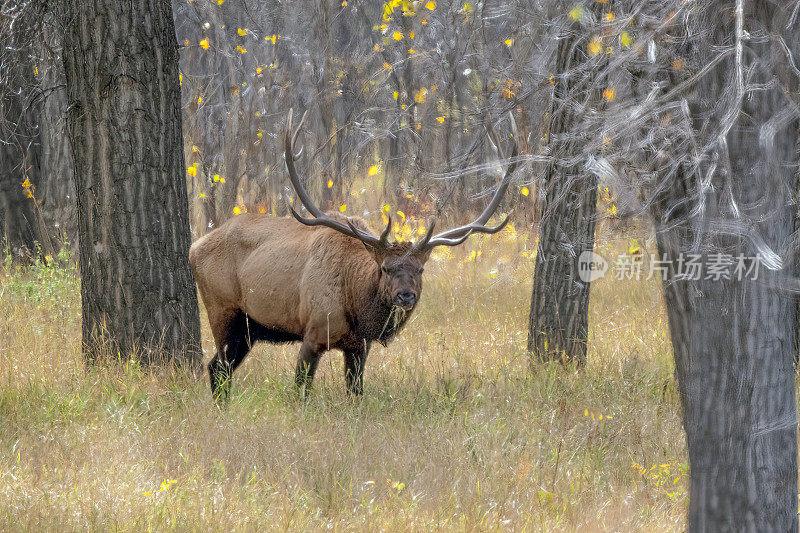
pixel 396 318
pixel 455 429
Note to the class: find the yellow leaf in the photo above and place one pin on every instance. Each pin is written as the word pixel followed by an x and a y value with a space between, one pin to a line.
pixel 204 44
pixel 195 149
pixel 440 119
pixel 330 183
pixel 397 35
pixel 431 5
pixel 192 170
pixel 241 32
pixel 373 170
pixel 199 100
pixel 222 180
pixel 216 177
pixel 412 51
pixel 403 215
pixel 396 95
pixel 241 49
pixel 609 94
pixel 677 63
pixel 262 210
pixel 377 47
pixel 180 78
pixel 26 183
pixel 344 3
pixel 202 195
pixel 220 2
pixel 595 45
pixel 524 191
pixel 609 17
pixel 237 210
pixel 509 42
pixel 343 208
pixel 576 13
pixel 28 193
pixel 387 66
pixel 386 208
pixel 258 70
pixel 624 39
pixel 411 34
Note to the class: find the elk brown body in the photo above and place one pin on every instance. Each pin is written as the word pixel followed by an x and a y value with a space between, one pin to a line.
pixel 275 279
pixel 327 282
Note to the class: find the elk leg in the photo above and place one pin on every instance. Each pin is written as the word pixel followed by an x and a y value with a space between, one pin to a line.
pixel 229 356
pixel 306 366
pixel 354 368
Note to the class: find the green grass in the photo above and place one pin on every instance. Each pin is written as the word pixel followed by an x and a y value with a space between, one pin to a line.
pixel 455 430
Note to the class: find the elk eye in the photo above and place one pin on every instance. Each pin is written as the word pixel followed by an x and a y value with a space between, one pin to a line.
pixel 420 270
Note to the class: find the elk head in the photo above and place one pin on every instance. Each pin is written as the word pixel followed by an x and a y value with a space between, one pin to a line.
pixel 400 263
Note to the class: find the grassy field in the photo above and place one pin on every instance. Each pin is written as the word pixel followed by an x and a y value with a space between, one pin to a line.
pixel 455 430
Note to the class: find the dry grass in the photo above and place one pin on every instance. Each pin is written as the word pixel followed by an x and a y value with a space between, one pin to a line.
pixel 454 431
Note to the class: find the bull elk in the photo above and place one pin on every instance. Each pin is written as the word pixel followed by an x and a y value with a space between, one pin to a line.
pixel 326 281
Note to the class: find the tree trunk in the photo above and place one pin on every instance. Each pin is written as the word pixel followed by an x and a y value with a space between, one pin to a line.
pixel 124 124
pixel 559 316
pixel 733 339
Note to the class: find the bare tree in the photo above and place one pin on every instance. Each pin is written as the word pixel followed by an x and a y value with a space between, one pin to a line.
pixel 734 337
pixel 121 63
pixel 559 315
pixel 708 123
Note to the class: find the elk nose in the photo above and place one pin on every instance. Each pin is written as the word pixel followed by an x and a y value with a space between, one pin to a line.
pixel 406 299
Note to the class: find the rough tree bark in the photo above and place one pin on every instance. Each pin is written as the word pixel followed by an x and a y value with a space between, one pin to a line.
pixel 733 339
pixel 559 315
pixel 124 124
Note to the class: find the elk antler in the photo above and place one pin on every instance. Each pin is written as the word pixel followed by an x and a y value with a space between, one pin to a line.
pixel 460 234
pixel 320 218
